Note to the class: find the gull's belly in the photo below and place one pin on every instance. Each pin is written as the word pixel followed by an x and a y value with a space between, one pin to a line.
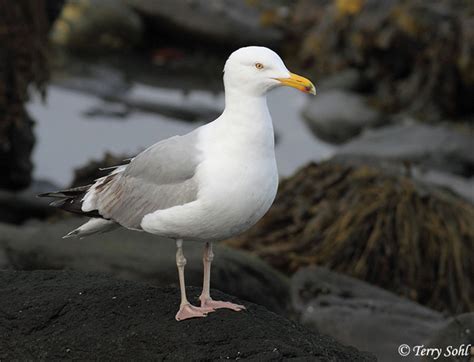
pixel 238 194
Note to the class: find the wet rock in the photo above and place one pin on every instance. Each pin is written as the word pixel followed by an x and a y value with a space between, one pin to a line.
pixel 181 108
pixel 18 207
pixel 234 23
pixel 107 25
pixel 431 147
pixel 97 25
pixel 92 79
pixel 16 146
pixel 418 55
pixel 455 338
pixel 462 186
pixel 336 116
pixel 71 315
pixel 375 225
pixel 141 256
pixel 457 185
pixel 114 85
pixel 359 314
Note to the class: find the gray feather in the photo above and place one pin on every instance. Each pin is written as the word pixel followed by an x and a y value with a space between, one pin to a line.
pixel 160 177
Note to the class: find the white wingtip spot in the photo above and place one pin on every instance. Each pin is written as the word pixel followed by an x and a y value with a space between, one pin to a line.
pixel 72 234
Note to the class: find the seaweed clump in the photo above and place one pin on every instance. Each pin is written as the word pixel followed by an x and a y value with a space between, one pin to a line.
pixel 383 228
pixel 416 55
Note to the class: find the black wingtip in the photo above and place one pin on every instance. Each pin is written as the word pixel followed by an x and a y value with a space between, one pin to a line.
pixel 55 194
pixel 75 191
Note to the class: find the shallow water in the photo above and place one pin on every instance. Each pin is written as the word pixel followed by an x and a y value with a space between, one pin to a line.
pixel 67 138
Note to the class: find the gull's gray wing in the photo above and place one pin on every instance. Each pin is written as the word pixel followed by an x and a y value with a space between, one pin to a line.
pixel 160 177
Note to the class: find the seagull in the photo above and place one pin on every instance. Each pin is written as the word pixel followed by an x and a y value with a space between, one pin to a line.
pixel 208 185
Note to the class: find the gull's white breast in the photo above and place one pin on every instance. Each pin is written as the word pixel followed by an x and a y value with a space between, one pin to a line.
pixel 238 180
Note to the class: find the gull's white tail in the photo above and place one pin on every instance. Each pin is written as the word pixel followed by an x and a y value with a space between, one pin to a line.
pixel 93 226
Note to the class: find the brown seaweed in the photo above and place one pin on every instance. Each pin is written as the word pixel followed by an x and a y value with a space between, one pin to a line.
pixel 386 229
pixel 417 55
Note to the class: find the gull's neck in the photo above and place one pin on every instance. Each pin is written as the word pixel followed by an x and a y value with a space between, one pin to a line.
pixel 250 109
pixel 246 121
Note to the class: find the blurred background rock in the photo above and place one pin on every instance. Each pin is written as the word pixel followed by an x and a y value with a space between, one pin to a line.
pixel 371 236
pixel 23 62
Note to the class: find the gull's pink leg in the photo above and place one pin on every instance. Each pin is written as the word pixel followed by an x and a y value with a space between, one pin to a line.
pixel 186 309
pixel 205 298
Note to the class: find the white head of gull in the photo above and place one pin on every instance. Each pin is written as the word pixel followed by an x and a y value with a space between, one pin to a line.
pixel 208 185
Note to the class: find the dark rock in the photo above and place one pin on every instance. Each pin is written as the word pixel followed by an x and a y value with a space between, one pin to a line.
pixel 16 146
pixel 141 256
pixel 234 23
pixel 336 116
pixel 359 314
pixel 93 78
pixel 113 75
pixel 100 25
pixel 457 333
pixel 16 208
pixel 432 147
pixel 69 315
pixel 182 109
pixel 386 228
pixel 112 84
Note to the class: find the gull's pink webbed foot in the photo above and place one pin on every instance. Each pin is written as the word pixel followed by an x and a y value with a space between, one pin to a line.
pixel 188 311
pixel 208 305
pixel 217 304
pixel 205 298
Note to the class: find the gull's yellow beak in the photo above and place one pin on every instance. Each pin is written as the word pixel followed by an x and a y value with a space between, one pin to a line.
pixel 297 81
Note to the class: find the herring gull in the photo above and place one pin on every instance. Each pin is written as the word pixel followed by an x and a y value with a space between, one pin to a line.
pixel 208 185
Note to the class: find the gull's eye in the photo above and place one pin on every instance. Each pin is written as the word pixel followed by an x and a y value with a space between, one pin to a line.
pixel 259 65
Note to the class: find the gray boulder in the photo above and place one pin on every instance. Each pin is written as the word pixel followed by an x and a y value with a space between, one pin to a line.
pixel 456 338
pixel 17 207
pixel 359 314
pixel 464 187
pixel 432 147
pixel 336 116
pixel 433 179
pixel 140 256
